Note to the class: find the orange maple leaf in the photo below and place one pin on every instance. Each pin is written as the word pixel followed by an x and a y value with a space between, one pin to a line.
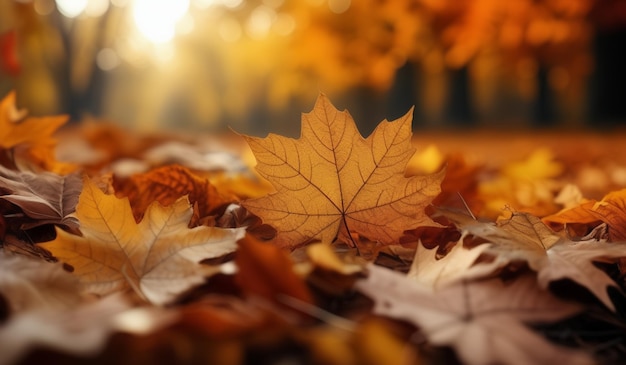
pixel 610 210
pixel 166 185
pixel 32 134
pixel 156 257
pixel 331 181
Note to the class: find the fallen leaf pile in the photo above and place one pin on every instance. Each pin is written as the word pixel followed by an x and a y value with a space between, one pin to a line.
pixel 329 248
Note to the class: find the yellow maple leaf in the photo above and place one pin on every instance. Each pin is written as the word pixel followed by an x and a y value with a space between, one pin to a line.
pixel 528 185
pixel 156 257
pixel 331 181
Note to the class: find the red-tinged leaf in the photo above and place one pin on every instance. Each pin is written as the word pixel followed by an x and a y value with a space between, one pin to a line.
pixel 264 270
pixel 166 185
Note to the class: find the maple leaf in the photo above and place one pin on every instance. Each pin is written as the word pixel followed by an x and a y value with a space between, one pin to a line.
pixel 165 185
pixel 46 197
pixel 483 321
pixel 610 210
pixel 331 181
pixel 34 134
pixel 524 237
pixel 156 257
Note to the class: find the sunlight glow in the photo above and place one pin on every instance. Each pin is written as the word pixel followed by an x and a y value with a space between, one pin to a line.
pixel 233 4
pixel 157 19
pixel 338 6
pixel 96 8
pixel 285 24
pixel 44 7
pixel 120 3
pixel 71 8
pixel 230 30
pixel 260 21
pixel 203 4
pixel 107 59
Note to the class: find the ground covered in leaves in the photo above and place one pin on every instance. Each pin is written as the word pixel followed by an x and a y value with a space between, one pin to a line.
pixel 330 248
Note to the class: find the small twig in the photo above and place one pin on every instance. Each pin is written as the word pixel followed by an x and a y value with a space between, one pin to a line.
pixel 466 206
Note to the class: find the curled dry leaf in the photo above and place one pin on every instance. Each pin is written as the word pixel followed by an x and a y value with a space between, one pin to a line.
pixel 610 210
pixel 331 181
pixel 157 257
pixel 266 271
pixel 483 321
pixel 166 185
pixel 46 197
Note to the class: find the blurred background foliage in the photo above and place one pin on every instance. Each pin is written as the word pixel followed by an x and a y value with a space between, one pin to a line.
pixel 255 65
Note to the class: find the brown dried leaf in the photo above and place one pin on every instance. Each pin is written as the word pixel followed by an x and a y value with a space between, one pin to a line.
pixel 46 197
pixel 524 237
pixel 483 321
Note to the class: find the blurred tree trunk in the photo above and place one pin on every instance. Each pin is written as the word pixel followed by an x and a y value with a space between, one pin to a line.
pixel 543 108
pixel 608 82
pixel 458 107
pixel 403 94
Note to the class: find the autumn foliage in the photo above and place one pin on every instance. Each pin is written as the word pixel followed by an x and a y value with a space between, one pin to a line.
pixel 357 251
pixel 331 182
